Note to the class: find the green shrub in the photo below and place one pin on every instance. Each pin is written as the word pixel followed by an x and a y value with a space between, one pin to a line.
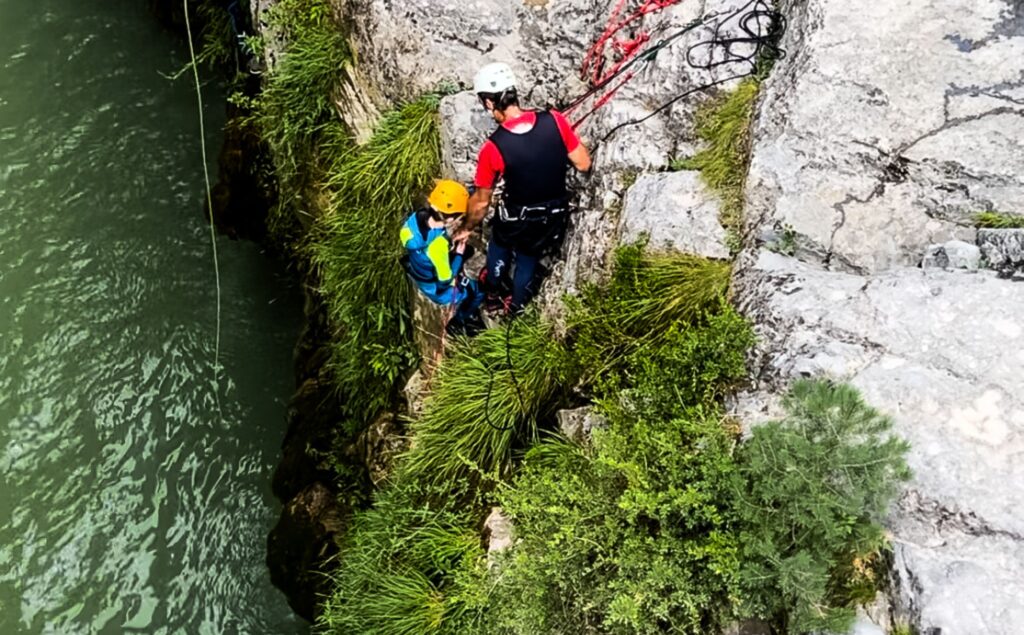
pixel 814 489
pixel 633 534
pixel 695 364
pixel 724 125
pixel 481 407
pixel 355 249
pixel 405 569
pixel 998 220
pixel 629 536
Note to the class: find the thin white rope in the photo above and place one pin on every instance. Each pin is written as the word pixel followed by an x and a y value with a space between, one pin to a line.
pixel 209 207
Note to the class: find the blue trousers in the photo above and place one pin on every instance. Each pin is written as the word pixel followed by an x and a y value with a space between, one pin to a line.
pixel 525 280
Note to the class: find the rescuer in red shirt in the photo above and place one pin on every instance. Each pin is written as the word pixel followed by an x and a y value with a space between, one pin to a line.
pixel 532 151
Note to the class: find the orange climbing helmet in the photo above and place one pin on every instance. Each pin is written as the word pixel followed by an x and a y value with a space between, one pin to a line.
pixel 449 197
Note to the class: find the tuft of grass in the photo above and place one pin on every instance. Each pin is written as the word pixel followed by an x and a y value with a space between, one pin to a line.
pixel 998 220
pixel 401 570
pixel 648 294
pixel 724 125
pixel 482 407
pixel 903 629
pixel 355 250
pixel 295 103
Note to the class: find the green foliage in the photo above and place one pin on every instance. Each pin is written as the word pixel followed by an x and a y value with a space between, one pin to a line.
pixel 814 487
pixel 630 535
pixel 998 220
pixel 405 569
pixel 355 249
pixel 648 294
pixel 295 103
pixel 696 364
pixel 481 407
pixel 633 534
pixel 903 629
pixel 724 125
pixel 217 40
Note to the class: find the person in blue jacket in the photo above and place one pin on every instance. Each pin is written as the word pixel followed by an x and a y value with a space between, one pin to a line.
pixel 434 261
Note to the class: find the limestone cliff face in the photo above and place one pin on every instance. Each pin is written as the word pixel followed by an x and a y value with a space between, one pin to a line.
pixel 886 126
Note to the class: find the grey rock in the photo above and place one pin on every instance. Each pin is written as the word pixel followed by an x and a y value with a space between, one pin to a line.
pixel 577 424
pixel 748 627
pixel 675 211
pixel 955 254
pixel 941 352
pixel 465 125
pixel 499 533
pixel 871 161
pixel 863 626
pixel 1003 248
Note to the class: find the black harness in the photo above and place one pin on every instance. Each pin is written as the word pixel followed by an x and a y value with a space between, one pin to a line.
pixel 532 215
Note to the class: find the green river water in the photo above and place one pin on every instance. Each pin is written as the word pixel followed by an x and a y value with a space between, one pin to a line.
pixel 127 505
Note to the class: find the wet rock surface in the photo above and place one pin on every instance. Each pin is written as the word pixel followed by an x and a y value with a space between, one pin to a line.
pixel 302 543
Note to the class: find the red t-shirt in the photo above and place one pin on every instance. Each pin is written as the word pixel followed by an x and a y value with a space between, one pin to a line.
pixel 490 165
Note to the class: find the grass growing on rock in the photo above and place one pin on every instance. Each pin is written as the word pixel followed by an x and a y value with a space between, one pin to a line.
pixel 724 126
pixel 355 249
pixel 648 294
pixel 815 487
pixel 402 571
pixel 998 220
pixel 295 103
pixel 489 393
pixel 663 522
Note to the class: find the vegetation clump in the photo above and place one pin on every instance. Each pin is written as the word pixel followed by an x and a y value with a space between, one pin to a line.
pixel 664 521
pixel 815 487
pixel 405 570
pixel 489 394
pixel 724 126
pixel 998 220
pixel 355 250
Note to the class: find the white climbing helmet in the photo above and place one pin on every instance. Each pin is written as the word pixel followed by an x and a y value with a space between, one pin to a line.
pixel 494 78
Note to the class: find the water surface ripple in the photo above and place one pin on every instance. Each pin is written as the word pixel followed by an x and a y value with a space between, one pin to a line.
pixel 126 503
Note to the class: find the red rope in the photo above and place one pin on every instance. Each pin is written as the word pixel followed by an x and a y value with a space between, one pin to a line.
pixel 593 67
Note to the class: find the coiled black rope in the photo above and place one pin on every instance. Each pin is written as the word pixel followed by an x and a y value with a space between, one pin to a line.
pixel 761 29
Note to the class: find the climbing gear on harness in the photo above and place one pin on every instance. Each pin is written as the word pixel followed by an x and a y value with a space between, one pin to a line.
pixel 494 78
pixel 536 230
pixel 527 213
pixel 449 197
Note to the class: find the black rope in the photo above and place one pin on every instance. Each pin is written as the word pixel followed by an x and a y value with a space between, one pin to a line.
pixel 761 27
pixel 515 382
